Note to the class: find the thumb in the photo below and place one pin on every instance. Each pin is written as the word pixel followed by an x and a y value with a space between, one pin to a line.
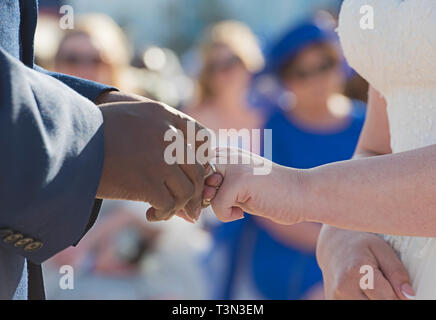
pixel 394 270
pixel 224 203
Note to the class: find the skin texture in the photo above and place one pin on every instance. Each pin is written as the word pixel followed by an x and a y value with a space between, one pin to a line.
pixel 132 172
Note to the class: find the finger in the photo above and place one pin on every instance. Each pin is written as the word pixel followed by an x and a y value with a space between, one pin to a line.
pixel 180 187
pixel 382 289
pixel 182 214
pixel 211 187
pixel 195 174
pixel 163 204
pixel 214 181
pixel 208 194
pixel 224 204
pixel 392 268
pixel 196 134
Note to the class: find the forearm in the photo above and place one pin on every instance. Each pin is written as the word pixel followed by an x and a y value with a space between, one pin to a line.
pixel 391 194
pixel 330 237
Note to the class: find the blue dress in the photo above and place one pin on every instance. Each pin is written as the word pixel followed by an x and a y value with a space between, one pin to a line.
pixel 247 251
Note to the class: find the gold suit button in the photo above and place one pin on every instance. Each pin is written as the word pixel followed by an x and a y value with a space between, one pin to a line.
pixel 33 246
pixel 12 238
pixel 23 242
pixel 5 232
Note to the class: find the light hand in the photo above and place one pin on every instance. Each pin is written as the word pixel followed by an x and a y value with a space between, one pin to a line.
pixel 134 164
pixel 276 195
pixel 342 253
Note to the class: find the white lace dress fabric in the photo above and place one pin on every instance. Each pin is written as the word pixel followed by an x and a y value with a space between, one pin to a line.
pixel 398 57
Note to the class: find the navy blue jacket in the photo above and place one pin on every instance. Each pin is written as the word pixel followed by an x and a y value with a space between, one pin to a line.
pixel 51 152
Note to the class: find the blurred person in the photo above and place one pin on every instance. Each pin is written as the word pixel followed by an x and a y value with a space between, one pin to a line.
pixel 162 77
pixel 230 56
pixel 387 188
pixel 357 88
pixel 312 124
pixel 96 49
pixel 47 38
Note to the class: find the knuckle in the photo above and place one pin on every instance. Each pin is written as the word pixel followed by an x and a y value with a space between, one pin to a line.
pixel 169 205
pixel 397 274
pixel 348 276
pixel 352 271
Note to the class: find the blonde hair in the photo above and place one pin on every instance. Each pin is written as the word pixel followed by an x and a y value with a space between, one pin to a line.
pixel 107 37
pixel 239 38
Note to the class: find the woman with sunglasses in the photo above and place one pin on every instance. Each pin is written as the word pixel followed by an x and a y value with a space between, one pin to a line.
pixel 230 55
pixel 96 49
pixel 312 124
pixel 318 126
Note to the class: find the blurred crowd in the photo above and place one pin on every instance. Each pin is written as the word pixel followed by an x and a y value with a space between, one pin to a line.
pixel 299 86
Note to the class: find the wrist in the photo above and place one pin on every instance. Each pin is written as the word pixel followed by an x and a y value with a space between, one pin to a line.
pixel 300 193
pixel 289 193
pixel 106 97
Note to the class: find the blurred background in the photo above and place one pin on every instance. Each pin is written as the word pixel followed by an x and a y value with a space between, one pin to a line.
pixel 230 64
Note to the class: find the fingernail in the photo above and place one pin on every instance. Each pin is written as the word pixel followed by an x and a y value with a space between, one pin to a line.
pixel 408 292
pixel 189 219
pixel 186 215
pixel 197 214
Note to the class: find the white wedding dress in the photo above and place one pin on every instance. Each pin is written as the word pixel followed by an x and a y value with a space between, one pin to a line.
pixel 398 57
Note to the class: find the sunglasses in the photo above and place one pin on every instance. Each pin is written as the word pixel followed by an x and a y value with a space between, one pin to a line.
pixel 75 60
pixel 307 73
pixel 224 65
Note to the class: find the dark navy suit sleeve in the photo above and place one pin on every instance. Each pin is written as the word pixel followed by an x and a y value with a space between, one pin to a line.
pixel 86 88
pixel 90 90
pixel 51 158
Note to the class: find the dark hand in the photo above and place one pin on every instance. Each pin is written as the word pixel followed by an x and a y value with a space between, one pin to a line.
pixel 134 164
